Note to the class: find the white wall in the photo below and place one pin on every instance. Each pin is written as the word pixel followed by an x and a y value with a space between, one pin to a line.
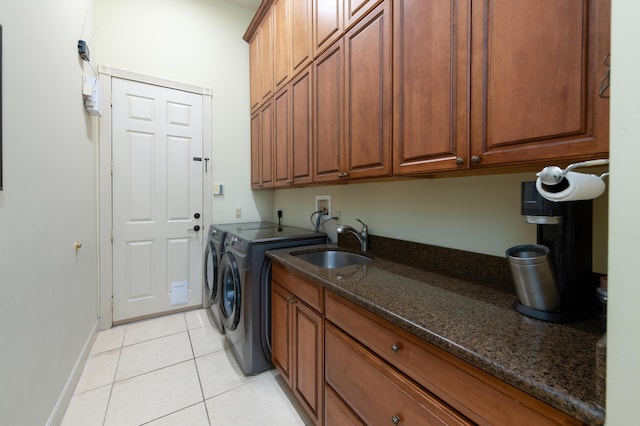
pixel 48 303
pixel 623 368
pixel 197 42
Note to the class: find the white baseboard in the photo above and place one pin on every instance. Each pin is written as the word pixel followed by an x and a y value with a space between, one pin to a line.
pixel 67 392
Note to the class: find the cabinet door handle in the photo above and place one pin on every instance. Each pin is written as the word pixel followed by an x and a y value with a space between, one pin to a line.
pixel 475 159
pixel 395 420
pixel 459 161
pixel 395 348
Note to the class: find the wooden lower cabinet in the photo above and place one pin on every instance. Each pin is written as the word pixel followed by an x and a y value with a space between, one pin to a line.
pixel 377 392
pixel 297 339
pixel 348 366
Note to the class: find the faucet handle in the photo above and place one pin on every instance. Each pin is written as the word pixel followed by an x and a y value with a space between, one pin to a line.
pixel 364 226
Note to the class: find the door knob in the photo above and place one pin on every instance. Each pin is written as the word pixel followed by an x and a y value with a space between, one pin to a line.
pixel 195 228
pixel 196 215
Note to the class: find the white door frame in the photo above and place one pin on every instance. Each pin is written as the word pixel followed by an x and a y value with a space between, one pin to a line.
pixel 105 259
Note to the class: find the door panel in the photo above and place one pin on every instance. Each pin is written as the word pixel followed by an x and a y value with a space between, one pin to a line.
pixel 157 189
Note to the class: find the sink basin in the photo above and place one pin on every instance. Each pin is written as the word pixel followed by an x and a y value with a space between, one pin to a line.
pixel 331 259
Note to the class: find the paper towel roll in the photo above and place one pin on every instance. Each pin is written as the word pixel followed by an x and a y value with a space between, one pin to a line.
pixel 574 187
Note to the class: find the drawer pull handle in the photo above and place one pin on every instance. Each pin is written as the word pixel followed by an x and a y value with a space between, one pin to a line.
pixel 395 420
pixel 395 349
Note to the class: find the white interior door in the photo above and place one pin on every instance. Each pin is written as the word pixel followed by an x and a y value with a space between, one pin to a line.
pixel 157 199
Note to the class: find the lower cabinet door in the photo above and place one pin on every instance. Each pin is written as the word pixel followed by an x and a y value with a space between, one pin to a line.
pixel 308 355
pixel 377 392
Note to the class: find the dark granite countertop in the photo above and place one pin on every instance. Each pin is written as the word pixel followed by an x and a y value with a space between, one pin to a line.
pixel 555 363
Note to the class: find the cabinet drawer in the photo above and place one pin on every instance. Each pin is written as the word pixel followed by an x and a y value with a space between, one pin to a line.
pixel 336 411
pixel 310 293
pixel 376 392
pixel 474 393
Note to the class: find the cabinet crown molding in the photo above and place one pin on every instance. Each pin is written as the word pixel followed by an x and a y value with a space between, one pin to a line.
pixel 257 18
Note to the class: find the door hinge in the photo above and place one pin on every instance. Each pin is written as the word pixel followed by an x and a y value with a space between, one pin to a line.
pixel 113 304
pixel 112 235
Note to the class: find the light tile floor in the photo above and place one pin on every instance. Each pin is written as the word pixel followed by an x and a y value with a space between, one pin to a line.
pixel 175 370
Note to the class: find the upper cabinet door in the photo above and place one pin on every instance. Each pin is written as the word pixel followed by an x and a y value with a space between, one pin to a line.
pixel 281 43
pixel 282 137
pixel 368 95
pixel 301 35
pixel 356 9
pixel 302 127
pixel 265 32
pixel 328 25
pixel 255 91
pixel 431 85
pixel 537 67
pixel 256 150
pixel 328 101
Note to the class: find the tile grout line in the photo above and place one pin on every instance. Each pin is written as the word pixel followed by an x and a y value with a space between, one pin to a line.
pixel 106 410
pixel 198 373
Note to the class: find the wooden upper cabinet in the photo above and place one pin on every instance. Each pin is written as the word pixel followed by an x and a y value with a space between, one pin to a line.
pixel 328 109
pixel 301 34
pixel 265 32
pixel 537 67
pixel 281 43
pixel 255 91
pixel 327 23
pixel 368 96
pixel 431 85
pixel 356 9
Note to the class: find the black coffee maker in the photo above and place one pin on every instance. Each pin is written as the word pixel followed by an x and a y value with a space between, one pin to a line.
pixel 566 229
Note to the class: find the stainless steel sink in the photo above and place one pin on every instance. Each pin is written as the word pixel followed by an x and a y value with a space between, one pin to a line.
pixel 331 259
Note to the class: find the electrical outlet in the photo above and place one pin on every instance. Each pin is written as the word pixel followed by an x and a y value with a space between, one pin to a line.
pixel 238 213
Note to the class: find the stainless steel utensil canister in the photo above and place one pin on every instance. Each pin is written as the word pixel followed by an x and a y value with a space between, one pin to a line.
pixel 533 277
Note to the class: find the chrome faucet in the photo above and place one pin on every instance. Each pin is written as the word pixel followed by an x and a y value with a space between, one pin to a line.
pixel 362 235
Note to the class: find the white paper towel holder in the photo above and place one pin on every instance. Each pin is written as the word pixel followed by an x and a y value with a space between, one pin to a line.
pixel 553 175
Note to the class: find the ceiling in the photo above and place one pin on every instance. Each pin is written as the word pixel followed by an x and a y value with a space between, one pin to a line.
pixel 251 5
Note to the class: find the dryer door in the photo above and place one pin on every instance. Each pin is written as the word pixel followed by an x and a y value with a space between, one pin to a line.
pixel 210 271
pixel 230 292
